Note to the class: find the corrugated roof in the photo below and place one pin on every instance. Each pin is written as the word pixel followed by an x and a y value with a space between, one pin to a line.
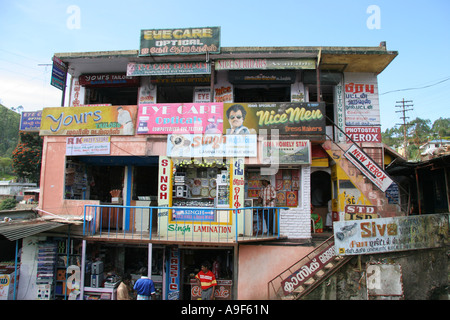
pixel 16 230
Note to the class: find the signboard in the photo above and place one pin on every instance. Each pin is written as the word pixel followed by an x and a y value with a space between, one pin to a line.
pixel 59 73
pixel 364 134
pixel 370 236
pixel 78 146
pixel 264 64
pixel 96 120
pixel 368 167
pixel 308 270
pixel 361 99
pixel 286 117
pixel 222 291
pixel 192 215
pixel 107 80
pixel 31 121
pixel 286 151
pixel 211 145
pixel 167 118
pixel 359 212
pixel 167 68
pixel 174 274
pixel 182 41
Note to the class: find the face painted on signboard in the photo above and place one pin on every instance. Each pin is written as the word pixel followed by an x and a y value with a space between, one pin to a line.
pixel 236 119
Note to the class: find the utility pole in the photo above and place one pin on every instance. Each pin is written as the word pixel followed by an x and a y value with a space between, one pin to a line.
pixel 404 108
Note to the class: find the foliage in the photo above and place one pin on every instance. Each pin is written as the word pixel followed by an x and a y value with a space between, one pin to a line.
pixel 27 156
pixel 9 124
pixel 418 132
pixel 7 204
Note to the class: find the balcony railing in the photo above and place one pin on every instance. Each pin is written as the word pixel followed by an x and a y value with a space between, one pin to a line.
pixel 181 224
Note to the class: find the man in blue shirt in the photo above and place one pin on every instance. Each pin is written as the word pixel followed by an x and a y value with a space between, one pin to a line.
pixel 144 286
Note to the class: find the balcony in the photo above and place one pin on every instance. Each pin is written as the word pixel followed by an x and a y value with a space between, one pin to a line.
pixel 212 225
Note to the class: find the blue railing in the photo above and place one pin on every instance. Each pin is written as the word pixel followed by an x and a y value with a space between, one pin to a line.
pixel 187 224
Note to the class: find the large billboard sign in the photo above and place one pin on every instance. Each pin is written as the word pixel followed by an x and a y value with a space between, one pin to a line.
pixel 181 41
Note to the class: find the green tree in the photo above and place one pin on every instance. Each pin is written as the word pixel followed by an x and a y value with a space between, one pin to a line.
pixel 27 157
pixel 7 204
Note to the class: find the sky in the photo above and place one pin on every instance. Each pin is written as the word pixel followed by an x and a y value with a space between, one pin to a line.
pixel 31 31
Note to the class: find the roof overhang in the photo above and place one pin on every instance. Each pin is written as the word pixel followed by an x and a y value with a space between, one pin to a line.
pixel 340 59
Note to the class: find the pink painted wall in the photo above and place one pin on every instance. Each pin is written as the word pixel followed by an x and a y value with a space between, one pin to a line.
pixel 258 264
pixel 54 162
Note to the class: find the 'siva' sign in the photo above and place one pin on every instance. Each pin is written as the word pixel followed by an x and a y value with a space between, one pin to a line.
pixel 368 167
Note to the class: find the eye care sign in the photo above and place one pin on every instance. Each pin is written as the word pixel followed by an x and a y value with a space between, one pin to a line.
pixel 168 118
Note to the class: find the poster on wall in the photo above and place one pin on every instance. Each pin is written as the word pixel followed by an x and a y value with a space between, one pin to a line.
pixel 86 121
pixel 78 146
pixel 286 151
pixel 286 117
pixel 168 118
pixel 211 145
pixel 181 41
pixel 369 236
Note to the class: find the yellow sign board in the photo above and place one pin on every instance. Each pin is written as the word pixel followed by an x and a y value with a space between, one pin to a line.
pixel 92 120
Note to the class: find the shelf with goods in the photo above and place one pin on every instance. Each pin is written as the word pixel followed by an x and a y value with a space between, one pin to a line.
pixel 45 276
pixel 75 181
pixel 67 266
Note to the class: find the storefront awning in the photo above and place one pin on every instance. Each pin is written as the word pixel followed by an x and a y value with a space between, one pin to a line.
pixel 19 229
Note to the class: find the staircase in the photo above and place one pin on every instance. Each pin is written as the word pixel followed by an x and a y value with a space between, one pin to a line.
pixel 308 273
pixel 365 186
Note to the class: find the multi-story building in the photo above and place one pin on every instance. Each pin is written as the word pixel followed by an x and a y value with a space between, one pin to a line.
pixel 161 152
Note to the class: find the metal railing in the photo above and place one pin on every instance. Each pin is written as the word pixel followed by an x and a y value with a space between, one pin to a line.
pixel 181 224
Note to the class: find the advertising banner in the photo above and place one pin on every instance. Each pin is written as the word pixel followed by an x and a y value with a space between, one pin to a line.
pixel 167 118
pixel 182 41
pixel 287 117
pixel 364 134
pixel 167 68
pixel 368 167
pixel 31 121
pixel 286 151
pixel 211 145
pixel 107 80
pixel 361 99
pixel 369 236
pixel 78 146
pixel 59 73
pixel 264 64
pixel 86 121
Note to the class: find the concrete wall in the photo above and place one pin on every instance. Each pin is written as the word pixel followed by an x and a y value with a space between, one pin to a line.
pixel 258 264
pixel 425 276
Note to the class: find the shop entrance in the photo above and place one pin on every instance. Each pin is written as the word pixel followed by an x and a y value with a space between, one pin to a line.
pixel 321 200
pixel 221 262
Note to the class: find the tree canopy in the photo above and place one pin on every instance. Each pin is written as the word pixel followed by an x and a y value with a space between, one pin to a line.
pixel 418 132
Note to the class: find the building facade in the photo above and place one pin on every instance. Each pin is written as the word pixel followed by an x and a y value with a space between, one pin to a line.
pixel 162 151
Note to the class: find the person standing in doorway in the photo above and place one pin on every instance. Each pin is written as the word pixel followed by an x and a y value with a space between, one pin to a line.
pixel 268 196
pixel 144 286
pixel 207 281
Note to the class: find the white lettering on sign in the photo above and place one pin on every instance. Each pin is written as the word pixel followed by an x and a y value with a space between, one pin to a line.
pixel 368 167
